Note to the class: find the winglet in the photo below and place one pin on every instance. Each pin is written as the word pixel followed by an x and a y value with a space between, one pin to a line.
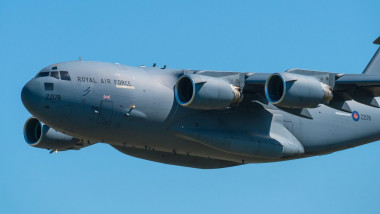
pixel 377 41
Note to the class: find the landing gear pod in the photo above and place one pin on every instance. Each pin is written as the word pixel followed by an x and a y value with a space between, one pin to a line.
pixel 296 91
pixel 206 93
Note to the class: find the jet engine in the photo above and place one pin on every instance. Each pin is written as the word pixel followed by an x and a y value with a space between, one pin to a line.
pixel 39 135
pixel 290 90
pixel 206 93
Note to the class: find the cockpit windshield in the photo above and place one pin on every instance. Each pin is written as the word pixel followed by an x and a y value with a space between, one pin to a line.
pixel 42 74
pixel 65 75
pixel 55 74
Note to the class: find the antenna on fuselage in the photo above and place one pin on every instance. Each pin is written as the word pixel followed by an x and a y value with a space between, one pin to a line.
pixel 80 58
pixel 163 67
pixel 154 64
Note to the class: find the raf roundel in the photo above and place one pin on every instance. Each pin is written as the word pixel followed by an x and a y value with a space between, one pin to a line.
pixel 355 116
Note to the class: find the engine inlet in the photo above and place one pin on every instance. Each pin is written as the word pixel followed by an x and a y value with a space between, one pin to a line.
pixel 32 130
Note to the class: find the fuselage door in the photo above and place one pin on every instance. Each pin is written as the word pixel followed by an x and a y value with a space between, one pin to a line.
pixel 105 114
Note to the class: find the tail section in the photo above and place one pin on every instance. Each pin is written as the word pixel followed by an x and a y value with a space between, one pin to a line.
pixel 373 66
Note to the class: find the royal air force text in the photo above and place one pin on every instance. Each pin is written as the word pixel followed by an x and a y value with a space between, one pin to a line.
pixel 104 81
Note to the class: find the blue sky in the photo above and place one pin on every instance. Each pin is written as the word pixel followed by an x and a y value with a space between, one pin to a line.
pixel 250 36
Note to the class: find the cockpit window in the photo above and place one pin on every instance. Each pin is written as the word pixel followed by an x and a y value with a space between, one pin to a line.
pixel 42 74
pixel 65 75
pixel 54 74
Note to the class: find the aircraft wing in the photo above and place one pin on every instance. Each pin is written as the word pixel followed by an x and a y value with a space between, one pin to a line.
pixel 362 88
pixel 257 79
pixel 294 91
pixel 342 82
pixel 359 82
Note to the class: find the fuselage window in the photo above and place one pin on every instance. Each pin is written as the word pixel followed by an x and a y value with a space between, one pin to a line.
pixel 65 75
pixel 42 74
pixel 49 86
pixel 54 74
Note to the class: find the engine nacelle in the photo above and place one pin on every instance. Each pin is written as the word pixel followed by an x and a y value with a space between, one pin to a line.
pixel 296 91
pixel 206 93
pixel 39 135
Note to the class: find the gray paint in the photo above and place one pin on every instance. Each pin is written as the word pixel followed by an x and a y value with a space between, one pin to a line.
pixel 134 110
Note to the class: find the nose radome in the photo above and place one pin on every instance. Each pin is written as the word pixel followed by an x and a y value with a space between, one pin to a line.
pixel 30 96
pixel 25 95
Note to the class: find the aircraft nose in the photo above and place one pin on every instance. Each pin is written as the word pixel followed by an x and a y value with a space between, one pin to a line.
pixel 31 96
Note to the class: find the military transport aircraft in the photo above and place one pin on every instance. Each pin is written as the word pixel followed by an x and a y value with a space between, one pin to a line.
pixel 199 118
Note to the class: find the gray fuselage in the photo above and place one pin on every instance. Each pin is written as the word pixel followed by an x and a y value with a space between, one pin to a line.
pixel 134 108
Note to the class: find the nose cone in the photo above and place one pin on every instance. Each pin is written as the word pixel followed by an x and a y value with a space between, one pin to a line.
pixel 31 96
